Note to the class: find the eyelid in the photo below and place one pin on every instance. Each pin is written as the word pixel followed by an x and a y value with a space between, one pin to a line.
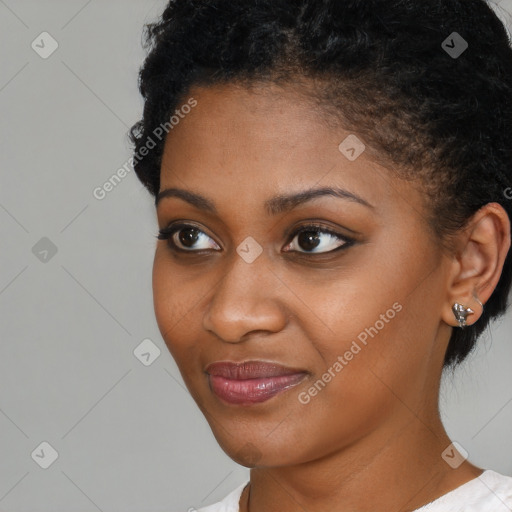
pixel 319 227
pixel 172 228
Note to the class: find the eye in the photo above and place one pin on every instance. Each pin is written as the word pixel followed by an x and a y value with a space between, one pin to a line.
pixel 310 238
pixel 313 238
pixel 185 237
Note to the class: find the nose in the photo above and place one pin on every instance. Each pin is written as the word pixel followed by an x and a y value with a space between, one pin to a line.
pixel 245 301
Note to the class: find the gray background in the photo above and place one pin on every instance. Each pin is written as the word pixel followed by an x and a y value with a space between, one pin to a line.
pixel 128 436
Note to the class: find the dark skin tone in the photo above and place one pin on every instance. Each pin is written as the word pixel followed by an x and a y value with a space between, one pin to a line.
pixel 372 439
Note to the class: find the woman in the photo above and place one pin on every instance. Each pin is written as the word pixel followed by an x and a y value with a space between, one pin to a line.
pixel 332 181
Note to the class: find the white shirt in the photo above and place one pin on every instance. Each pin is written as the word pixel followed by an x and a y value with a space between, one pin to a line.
pixel 490 492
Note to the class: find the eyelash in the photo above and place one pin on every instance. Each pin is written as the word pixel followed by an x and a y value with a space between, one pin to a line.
pixel 168 233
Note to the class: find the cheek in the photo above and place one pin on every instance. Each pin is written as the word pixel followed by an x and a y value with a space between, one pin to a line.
pixel 173 301
pixel 378 328
pixel 162 295
pixel 363 375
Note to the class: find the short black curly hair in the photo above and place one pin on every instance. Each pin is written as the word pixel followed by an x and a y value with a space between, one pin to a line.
pixel 383 67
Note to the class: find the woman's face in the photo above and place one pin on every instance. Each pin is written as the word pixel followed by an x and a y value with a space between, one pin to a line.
pixel 362 322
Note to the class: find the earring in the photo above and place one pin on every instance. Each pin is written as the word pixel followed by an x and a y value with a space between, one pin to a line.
pixel 461 313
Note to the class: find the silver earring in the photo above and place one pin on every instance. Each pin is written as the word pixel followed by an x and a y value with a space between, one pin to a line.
pixel 461 313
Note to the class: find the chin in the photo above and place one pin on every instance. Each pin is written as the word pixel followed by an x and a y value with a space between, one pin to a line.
pixel 249 450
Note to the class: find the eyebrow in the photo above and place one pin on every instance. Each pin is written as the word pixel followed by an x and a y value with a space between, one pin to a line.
pixel 274 206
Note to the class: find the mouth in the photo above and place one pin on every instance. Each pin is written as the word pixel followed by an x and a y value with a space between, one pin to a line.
pixel 251 382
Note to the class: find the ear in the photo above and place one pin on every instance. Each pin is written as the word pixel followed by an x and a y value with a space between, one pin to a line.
pixel 481 249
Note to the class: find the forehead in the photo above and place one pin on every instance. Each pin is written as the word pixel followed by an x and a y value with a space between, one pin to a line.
pixel 257 113
pixel 240 143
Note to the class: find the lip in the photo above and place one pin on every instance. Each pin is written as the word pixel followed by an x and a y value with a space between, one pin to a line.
pixel 251 382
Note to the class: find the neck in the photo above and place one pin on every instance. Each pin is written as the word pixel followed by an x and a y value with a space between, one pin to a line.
pixel 399 468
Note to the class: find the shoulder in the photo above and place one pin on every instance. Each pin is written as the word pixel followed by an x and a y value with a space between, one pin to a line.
pixel 500 484
pixel 489 491
pixel 228 504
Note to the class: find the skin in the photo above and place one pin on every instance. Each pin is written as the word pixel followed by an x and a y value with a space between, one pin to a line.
pixel 372 438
